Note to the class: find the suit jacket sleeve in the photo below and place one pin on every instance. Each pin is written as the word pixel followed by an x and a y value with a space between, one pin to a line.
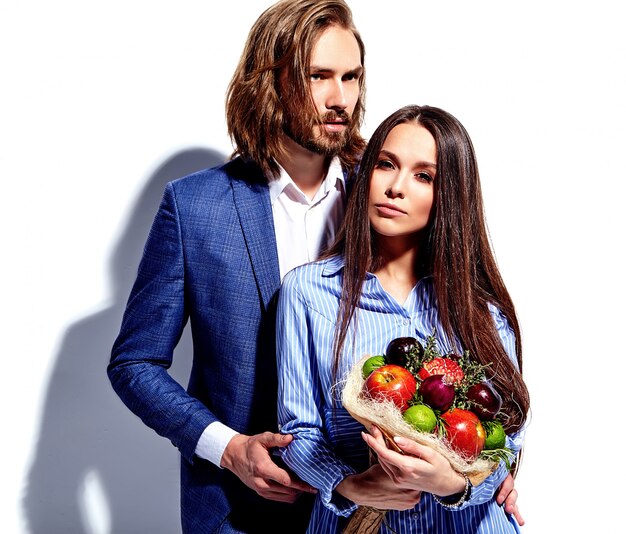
pixel 152 325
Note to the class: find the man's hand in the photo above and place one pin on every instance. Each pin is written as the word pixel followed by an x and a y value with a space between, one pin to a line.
pixel 249 458
pixel 507 495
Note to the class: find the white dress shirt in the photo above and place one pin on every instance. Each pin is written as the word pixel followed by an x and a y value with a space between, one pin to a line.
pixel 304 228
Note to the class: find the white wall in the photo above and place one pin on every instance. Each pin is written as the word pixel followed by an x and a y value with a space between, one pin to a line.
pixel 103 102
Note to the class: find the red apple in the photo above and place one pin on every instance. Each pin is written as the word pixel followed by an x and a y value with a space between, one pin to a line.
pixel 391 382
pixel 464 433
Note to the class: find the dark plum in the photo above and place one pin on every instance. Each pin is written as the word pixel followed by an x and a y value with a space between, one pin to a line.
pixel 485 401
pixel 403 351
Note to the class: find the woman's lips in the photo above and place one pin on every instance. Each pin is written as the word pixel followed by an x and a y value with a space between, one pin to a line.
pixel 389 210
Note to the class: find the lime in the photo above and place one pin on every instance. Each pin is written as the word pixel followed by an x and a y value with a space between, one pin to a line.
pixel 373 362
pixel 496 438
pixel 420 417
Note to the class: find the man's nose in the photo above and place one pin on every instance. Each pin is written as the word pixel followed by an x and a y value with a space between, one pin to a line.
pixel 336 98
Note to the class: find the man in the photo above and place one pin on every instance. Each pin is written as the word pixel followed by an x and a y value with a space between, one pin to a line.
pixel 220 243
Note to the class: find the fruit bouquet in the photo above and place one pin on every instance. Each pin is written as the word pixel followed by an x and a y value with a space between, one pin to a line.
pixel 440 400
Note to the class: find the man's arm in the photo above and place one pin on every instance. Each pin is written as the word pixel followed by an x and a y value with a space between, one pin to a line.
pixel 153 323
pixel 151 328
pixel 507 496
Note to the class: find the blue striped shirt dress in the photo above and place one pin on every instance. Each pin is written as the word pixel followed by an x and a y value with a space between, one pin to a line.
pixel 327 443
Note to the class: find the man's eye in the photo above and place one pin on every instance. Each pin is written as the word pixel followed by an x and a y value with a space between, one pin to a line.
pixel 384 164
pixel 316 76
pixel 350 77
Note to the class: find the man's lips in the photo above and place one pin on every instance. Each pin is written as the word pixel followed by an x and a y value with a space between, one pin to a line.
pixel 335 126
pixel 335 121
pixel 389 210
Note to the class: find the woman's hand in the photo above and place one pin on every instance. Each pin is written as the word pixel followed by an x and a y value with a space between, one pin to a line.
pixel 421 468
pixel 374 488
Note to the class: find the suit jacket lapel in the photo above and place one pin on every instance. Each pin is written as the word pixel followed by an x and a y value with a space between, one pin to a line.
pixel 252 202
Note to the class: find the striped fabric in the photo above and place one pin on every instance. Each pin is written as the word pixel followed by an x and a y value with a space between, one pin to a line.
pixel 327 445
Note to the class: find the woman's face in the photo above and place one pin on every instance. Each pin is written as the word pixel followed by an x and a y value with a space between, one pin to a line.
pixel 401 187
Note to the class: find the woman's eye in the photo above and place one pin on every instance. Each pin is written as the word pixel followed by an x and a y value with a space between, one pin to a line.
pixel 424 177
pixel 384 164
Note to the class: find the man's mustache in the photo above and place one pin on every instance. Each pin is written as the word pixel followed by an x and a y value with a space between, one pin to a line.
pixel 337 116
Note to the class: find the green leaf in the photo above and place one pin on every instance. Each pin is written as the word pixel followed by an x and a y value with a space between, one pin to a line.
pixel 505 455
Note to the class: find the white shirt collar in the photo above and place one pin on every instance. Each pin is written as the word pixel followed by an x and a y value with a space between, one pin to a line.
pixel 334 175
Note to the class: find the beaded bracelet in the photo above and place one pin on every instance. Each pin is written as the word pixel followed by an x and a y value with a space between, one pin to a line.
pixel 464 497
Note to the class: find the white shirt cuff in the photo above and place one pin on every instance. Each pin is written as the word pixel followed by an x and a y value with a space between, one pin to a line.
pixel 213 441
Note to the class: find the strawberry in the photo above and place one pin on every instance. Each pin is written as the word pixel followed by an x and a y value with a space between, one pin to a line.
pixel 451 370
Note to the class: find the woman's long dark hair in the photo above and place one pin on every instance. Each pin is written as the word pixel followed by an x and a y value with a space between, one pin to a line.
pixel 456 251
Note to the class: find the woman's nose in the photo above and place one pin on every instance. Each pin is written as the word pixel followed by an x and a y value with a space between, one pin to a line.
pixel 396 188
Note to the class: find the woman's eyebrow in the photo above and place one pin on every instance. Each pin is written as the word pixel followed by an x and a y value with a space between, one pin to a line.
pixel 391 155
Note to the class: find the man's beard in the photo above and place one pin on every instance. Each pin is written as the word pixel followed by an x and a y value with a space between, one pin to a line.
pixel 326 143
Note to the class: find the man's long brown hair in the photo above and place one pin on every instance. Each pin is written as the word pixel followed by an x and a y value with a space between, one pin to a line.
pixel 281 40
pixel 454 249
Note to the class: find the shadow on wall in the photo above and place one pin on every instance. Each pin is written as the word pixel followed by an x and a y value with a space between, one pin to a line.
pixel 97 468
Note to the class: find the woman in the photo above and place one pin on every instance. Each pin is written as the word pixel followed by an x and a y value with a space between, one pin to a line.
pixel 413 257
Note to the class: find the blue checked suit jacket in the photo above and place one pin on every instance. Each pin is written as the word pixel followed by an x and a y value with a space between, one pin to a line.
pixel 210 258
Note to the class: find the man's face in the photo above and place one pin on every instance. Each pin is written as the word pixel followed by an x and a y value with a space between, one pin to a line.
pixel 334 74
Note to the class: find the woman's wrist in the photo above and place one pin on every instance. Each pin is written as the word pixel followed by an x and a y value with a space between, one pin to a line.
pixel 458 487
pixel 456 500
